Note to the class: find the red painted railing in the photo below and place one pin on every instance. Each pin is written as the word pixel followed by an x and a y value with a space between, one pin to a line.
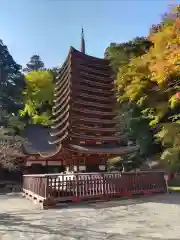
pixel 77 187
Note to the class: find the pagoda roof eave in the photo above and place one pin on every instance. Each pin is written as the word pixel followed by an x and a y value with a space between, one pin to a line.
pixel 51 154
pixel 100 138
pixel 88 150
pixel 100 150
pixel 84 56
pixel 79 53
pixel 72 49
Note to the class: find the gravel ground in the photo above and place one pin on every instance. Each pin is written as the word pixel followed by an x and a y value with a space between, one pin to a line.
pixel 155 217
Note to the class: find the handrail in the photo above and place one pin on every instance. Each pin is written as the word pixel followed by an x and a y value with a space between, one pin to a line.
pixel 49 189
pixel 91 173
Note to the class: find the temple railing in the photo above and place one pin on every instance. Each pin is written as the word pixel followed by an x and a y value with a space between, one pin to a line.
pixel 53 188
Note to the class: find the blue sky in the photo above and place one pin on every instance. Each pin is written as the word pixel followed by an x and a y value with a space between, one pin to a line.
pixel 50 27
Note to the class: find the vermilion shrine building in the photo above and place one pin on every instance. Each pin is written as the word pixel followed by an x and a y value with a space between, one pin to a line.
pixel 84 133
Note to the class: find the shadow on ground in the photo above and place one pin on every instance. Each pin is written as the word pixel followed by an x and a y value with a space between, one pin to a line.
pixel 67 230
pixel 90 221
pixel 171 198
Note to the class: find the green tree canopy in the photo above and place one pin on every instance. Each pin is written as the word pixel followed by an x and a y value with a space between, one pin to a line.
pixel 121 53
pixel 38 96
pixel 11 85
pixel 34 64
pixel 131 121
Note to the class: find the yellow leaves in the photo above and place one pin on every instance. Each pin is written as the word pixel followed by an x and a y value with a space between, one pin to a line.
pixel 165 54
pixel 39 86
pixel 164 65
pixel 170 158
pixel 162 134
pixel 158 68
pixel 29 108
pixel 173 101
pixel 154 122
pixel 170 134
pixel 133 80
pixel 152 80
pixel 39 80
pixel 156 113
pixel 44 119
pixel 38 96
pixel 39 77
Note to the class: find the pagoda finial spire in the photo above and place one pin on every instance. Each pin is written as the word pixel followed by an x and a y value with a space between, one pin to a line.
pixel 82 41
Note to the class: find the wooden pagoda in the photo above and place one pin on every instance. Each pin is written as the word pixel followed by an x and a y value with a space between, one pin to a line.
pixel 84 128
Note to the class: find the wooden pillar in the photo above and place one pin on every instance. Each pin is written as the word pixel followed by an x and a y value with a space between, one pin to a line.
pixel 46 166
pixel 77 164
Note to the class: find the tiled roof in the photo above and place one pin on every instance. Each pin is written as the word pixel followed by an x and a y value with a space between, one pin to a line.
pixel 36 140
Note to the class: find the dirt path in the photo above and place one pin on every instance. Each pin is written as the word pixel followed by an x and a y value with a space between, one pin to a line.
pixel 149 218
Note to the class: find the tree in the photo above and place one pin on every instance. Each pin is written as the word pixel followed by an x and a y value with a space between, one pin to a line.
pixel 11 80
pixel 38 96
pixel 11 87
pixel 131 121
pixel 152 80
pixel 11 84
pixel 137 130
pixel 10 149
pixel 34 64
pixel 120 54
pixel 55 71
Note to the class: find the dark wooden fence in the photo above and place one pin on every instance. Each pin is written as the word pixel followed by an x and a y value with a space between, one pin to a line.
pixel 52 188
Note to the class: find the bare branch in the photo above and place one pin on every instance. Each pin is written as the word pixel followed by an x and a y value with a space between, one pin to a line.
pixel 10 149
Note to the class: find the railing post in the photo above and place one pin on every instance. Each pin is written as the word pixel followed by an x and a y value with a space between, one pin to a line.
pixel 104 186
pixel 76 198
pixel 46 187
pixel 166 182
pixel 78 187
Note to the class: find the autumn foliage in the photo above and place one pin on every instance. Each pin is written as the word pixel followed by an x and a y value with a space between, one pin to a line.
pixel 152 82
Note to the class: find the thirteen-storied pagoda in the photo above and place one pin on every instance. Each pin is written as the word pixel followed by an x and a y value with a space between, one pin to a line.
pixel 84 128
